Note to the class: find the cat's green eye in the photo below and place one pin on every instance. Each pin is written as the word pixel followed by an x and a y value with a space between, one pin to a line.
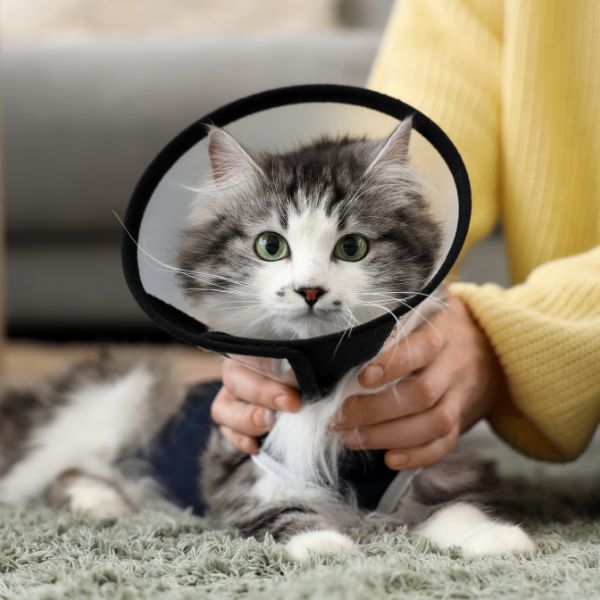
pixel 351 247
pixel 271 246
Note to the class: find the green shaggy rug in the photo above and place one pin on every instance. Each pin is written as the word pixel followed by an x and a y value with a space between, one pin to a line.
pixel 48 555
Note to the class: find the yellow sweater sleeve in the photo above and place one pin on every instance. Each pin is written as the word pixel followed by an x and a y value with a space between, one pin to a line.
pixel 443 57
pixel 546 333
pixel 447 58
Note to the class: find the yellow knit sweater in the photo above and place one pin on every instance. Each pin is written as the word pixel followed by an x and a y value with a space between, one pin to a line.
pixel 516 85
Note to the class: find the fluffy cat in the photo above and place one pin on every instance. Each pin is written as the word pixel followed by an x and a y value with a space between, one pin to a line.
pixel 279 246
pixel 331 195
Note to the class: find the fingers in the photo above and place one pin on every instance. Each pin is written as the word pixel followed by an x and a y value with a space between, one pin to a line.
pixel 246 384
pixel 244 443
pixel 424 455
pixel 244 407
pixel 408 397
pixel 411 354
pixel 412 395
pixel 241 417
pixel 407 432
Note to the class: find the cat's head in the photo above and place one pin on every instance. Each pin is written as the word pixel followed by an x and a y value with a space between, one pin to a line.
pixel 308 242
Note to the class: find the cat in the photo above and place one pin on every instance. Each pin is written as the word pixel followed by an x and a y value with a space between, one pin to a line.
pixel 278 246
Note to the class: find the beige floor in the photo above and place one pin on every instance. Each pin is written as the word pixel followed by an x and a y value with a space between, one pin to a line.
pixel 27 361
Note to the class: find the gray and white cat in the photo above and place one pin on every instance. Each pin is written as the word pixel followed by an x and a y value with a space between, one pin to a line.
pixel 280 246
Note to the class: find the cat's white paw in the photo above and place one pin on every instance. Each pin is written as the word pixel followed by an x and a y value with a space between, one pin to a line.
pixel 468 527
pixel 95 497
pixel 497 539
pixel 301 546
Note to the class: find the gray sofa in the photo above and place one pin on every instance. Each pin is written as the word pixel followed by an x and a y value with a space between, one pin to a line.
pixel 81 122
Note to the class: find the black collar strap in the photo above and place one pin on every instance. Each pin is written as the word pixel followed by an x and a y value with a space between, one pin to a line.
pixel 317 362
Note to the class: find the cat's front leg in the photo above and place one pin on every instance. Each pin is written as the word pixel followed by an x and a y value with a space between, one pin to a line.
pixel 304 520
pixel 468 527
pixel 241 495
pixel 301 546
pixel 300 527
pixel 89 494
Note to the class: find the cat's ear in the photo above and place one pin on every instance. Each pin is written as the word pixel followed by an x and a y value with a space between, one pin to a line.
pixel 228 160
pixel 393 150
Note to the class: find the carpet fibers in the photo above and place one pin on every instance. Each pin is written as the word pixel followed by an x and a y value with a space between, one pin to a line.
pixel 55 555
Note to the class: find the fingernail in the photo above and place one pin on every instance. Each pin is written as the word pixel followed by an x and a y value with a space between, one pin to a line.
pixel 263 417
pixel 372 374
pixel 282 403
pixel 398 460
pixel 269 416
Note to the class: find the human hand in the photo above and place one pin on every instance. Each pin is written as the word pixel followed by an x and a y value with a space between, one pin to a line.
pixel 453 379
pixel 245 406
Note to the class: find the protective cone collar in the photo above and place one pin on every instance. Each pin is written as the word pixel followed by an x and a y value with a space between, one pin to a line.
pixel 280 119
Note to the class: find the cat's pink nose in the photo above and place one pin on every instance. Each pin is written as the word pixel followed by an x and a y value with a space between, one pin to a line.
pixel 311 295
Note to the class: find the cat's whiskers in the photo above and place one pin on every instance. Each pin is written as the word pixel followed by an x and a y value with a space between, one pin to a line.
pixel 214 286
pixel 173 269
pixel 196 276
pixel 410 308
pixel 381 306
pixel 245 294
pixel 423 318
pixel 236 307
pixel 351 320
pixel 239 302
pixel 205 274
pixel 405 294
pixel 399 324
pixel 226 301
pixel 257 321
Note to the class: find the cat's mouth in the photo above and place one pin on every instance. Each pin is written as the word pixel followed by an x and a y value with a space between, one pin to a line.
pixel 314 312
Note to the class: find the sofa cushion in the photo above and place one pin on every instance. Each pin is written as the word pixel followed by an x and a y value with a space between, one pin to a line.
pixel 84 120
